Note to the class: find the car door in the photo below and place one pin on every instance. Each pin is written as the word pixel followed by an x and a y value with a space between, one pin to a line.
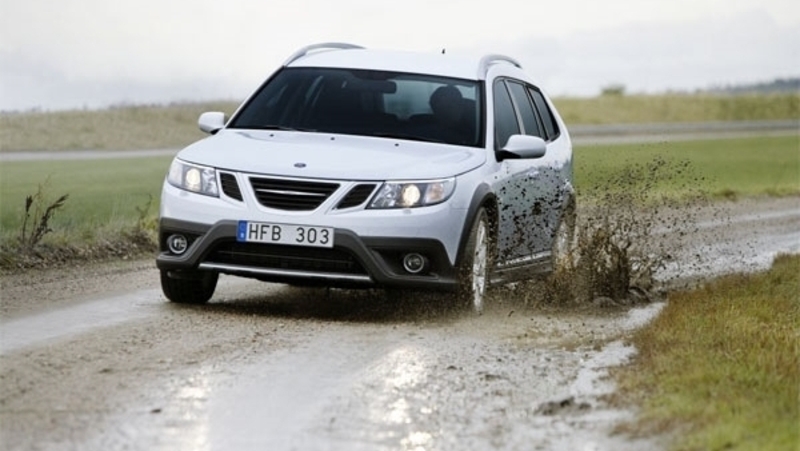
pixel 555 169
pixel 524 187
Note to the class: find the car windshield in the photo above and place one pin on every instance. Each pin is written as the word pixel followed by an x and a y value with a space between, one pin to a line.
pixel 368 103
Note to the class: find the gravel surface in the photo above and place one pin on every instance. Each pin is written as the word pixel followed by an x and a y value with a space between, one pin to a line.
pixel 94 358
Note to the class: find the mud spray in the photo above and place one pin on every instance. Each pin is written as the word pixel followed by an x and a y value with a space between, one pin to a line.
pixel 630 225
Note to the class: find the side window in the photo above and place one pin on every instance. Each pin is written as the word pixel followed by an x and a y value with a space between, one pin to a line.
pixel 505 119
pixel 547 117
pixel 525 107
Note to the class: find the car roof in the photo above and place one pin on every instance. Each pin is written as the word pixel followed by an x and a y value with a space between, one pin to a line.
pixel 392 60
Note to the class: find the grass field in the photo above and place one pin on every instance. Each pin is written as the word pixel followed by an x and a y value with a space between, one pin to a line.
pixel 134 127
pixel 726 168
pixel 103 194
pixel 719 368
pixel 175 126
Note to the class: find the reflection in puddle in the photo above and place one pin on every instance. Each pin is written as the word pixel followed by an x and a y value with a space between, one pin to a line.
pixel 417 441
pixel 406 368
pixel 398 412
pixel 189 426
pixel 397 407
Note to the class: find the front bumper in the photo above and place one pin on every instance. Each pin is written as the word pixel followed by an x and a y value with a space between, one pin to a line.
pixel 354 261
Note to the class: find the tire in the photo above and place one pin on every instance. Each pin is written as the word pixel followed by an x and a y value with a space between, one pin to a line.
pixel 475 264
pixel 189 287
pixel 564 238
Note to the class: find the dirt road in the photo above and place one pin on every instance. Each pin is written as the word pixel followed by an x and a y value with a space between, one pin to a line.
pixel 95 359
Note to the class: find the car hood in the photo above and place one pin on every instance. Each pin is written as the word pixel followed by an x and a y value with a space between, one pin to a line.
pixel 319 155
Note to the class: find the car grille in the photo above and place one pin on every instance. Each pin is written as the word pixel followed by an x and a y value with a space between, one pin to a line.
pixel 293 195
pixel 271 256
pixel 230 186
pixel 357 195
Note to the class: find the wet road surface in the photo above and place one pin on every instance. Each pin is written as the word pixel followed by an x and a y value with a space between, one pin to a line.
pixel 95 359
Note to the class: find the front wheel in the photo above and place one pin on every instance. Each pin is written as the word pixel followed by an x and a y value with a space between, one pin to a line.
pixel 474 268
pixel 189 287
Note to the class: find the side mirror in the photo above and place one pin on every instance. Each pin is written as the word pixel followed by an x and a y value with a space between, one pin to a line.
pixel 211 122
pixel 523 146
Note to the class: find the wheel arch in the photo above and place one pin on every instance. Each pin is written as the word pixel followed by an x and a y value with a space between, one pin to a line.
pixel 483 197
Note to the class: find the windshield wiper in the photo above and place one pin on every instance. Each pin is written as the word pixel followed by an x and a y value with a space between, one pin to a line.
pixel 283 128
pixel 406 136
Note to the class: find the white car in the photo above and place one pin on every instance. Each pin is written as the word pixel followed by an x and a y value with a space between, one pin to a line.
pixel 353 167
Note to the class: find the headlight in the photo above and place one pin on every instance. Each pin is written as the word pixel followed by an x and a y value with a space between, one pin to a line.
pixel 197 179
pixel 413 194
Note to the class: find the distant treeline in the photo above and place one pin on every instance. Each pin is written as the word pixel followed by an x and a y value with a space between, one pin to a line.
pixel 777 86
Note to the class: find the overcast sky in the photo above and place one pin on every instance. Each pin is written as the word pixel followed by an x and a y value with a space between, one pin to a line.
pixel 95 53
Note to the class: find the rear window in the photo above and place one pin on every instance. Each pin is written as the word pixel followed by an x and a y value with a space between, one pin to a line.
pixel 370 103
pixel 525 108
pixel 548 120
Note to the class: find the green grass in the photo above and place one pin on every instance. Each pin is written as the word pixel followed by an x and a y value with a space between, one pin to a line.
pixel 719 368
pixel 729 168
pixel 103 194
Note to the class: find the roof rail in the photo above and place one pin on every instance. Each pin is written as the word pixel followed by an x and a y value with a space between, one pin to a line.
pixel 325 45
pixel 488 60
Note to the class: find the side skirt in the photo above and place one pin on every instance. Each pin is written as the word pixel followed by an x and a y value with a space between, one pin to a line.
pixel 520 269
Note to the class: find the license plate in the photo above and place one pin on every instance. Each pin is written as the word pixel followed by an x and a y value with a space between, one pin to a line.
pixel 296 235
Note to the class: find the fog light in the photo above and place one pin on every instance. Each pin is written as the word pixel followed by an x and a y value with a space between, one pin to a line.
pixel 415 263
pixel 177 244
